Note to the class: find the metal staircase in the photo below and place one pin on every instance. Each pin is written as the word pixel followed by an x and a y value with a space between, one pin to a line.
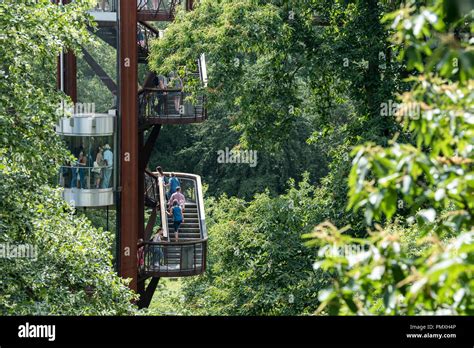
pixel 189 229
pixel 187 255
pixel 126 26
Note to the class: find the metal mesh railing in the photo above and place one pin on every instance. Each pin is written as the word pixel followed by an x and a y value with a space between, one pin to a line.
pixel 173 258
pixel 169 104
pixel 88 178
pixel 176 258
pixel 152 194
pixel 106 5
pixel 158 8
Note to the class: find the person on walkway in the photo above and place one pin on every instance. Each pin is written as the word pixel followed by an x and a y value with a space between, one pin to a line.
pixel 174 184
pixel 157 249
pixel 98 164
pixel 108 162
pixel 81 162
pixel 161 174
pixel 140 255
pixel 179 197
pixel 141 39
pixel 177 213
pixel 160 83
pixel 82 170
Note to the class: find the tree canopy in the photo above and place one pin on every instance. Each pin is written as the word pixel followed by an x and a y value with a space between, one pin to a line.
pixel 71 271
pixel 404 243
pixel 362 198
pixel 428 185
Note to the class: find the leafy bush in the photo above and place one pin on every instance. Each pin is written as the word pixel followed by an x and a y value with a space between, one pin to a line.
pixel 257 262
pixel 72 272
pixel 434 180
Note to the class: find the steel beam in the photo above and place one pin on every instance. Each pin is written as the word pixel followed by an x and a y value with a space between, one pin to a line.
pixel 69 74
pixel 150 224
pixel 141 188
pixel 149 145
pixel 100 73
pixel 141 201
pixel 150 16
pixel 147 295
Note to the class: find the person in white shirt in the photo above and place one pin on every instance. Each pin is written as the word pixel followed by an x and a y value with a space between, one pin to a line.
pixel 109 162
pixel 157 249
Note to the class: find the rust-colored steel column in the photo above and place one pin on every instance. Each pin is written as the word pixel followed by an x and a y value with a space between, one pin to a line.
pixel 141 187
pixel 69 74
pixel 129 210
pixel 141 201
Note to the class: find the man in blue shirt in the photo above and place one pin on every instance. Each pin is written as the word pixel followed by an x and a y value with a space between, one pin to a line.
pixel 174 184
pixel 177 213
pixel 109 163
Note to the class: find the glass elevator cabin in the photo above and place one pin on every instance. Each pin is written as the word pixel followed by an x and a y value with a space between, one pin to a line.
pixel 88 180
pixel 111 148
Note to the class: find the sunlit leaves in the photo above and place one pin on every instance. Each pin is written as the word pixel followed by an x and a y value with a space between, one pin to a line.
pixel 73 272
pixel 258 264
pixel 438 281
pixel 255 54
pixel 429 183
pixel 435 38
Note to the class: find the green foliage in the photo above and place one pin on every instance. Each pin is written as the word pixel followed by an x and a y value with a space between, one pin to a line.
pixel 33 34
pixel 277 78
pixel 434 38
pixel 385 278
pixel 433 179
pixel 194 149
pixel 89 87
pixel 355 74
pixel 253 49
pixel 72 273
pixel 168 298
pixel 257 263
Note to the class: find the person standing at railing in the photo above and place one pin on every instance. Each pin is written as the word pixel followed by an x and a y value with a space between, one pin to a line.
pixel 176 83
pixel 177 213
pixel 140 255
pixel 81 162
pixel 98 164
pixel 166 183
pixel 141 38
pixel 66 175
pixel 160 83
pixel 161 174
pixel 109 162
pixel 82 171
pixel 157 249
